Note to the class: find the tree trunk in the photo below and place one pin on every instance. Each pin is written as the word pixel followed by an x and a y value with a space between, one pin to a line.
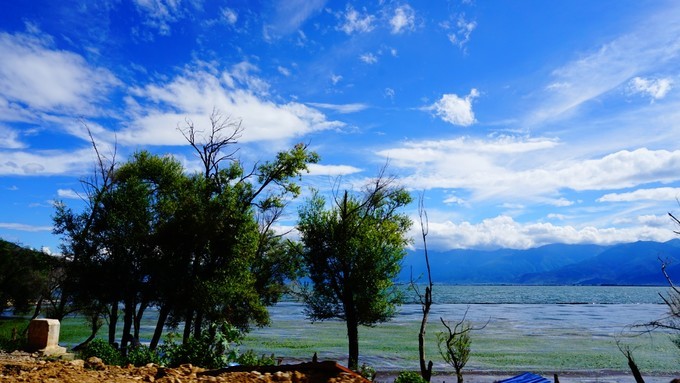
pixel 127 325
pixel 160 324
pixel 95 325
pixel 138 318
pixel 425 371
pixel 113 322
pixel 459 375
pixel 187 325
pixel 353 339
pixel 198 323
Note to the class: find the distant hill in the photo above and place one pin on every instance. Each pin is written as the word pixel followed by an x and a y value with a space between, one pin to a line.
pixel 625 264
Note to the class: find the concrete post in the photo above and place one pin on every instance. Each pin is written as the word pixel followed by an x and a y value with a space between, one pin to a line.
pixel 43 336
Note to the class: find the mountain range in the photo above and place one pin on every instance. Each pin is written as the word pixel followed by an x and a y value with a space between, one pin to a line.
pixel 637 263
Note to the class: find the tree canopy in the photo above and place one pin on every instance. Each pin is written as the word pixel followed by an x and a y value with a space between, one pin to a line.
pixel 352 251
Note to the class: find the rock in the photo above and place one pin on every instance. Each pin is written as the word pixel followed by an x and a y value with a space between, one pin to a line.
pixel 95 363
pixel 78 363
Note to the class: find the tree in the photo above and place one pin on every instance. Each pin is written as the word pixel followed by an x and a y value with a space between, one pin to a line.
pixel 426 298
pixel 24 276
pixel 352 253
pixel 454 346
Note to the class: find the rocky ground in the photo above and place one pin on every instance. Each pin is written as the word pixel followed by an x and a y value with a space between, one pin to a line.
pixel 24 367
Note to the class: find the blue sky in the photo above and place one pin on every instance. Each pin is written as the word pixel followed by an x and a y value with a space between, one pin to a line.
pixel 524 122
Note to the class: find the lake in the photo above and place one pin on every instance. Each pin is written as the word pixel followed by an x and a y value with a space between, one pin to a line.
pixel 541 328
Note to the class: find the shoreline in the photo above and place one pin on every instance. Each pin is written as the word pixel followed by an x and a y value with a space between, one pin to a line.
pixel 575 376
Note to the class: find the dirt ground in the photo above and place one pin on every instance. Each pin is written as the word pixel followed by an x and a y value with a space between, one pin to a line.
pixel 24 367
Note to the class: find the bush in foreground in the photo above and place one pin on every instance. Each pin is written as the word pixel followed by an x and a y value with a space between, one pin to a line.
pixel 409 377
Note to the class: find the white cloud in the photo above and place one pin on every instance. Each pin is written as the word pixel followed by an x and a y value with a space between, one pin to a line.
pixel 229 15
pixel 335 79
pixel 463 30
pixel 354 21
pixel 341 108
pixel 9 138
pixel 655 88
pixel 369 58
pixel 332 170
pixel 67 193
pixel 657 194
pixel 23 227
pixel 193 96
pixel 403 19
pixel 283 70
pixel 43 163
pixel 456 110
pixel 46 79
pixel 504 232
pixel 160 13
pixel 290 15
pixel 646 48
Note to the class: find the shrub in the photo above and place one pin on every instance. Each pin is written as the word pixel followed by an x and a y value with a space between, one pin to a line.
pixel 142 355
pixel 249 358
pixel 367 372
pixel 103 350
pixel 409 377
pixel 13 334
pixel 213 349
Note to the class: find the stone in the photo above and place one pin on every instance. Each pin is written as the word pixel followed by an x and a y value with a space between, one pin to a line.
pixel 43 337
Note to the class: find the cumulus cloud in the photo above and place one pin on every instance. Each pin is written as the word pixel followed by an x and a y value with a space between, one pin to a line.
pixel 504 232
pixel 34 73
pixel 355 22
pixel 655 88
pixel 525 168
pixel 454 109
pixel 657 194
pixel 331 170
pixel 192 96
pixel 403 19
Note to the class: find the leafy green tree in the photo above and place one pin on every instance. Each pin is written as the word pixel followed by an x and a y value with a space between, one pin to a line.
pixel 352 252
pixel 24 276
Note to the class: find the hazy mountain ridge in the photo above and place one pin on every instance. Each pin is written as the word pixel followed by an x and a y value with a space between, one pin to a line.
pixel 558 264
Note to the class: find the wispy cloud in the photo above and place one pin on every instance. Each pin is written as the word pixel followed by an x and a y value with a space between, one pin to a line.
pixel 369 58
pixel 403 20
pixel 648 48
pixel 67 193
pixel 43 78
pixel 341 108
pixel 332 170
pixel 460 34
pixel 355 22
pixel 290 15
pixel 657 194
pixel 24 227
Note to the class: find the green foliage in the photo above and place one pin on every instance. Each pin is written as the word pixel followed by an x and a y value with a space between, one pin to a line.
pixel 24 277
pixel 455 346
pixel 214 348
pixel 367 372
pixel 250 358
pixel 13 334
pixel 103 350
pixel 353 252
pixel 409 377
pixel 142 355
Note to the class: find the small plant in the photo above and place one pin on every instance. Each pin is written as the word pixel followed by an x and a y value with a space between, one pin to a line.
pixel 409 377
pixel 102 350
pixel 367 372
